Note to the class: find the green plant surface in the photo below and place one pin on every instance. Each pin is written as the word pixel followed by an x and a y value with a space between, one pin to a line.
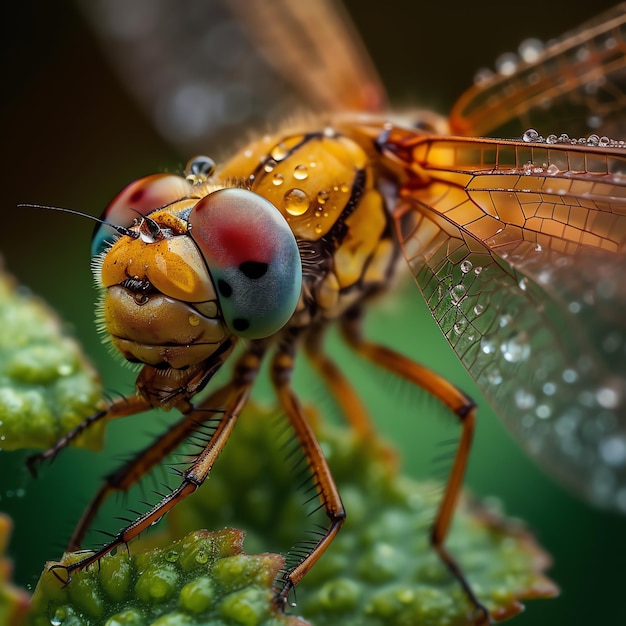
pixel 47 386
pixel 380 570
pixel 204 578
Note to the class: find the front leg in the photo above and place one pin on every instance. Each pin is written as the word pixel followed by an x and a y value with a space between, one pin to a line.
pixel 236 393
pixel 128 474
pixel 120 408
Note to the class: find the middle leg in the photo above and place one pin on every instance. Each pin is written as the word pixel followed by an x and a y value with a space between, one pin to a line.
pixel 282 368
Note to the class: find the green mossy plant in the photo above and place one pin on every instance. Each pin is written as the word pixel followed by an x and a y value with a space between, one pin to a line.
pixel 47 386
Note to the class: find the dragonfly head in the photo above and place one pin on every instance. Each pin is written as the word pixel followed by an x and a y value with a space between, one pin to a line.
pixel 207 266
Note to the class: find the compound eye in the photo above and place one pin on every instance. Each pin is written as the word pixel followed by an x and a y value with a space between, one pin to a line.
pixel 137 199
pixel 253 258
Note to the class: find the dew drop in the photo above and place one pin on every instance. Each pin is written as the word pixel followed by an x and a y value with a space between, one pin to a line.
pixel 494 377
pixel 487 346
pixel 505 320
pixel 269 166
pixel 583 53
pixel 516 348
pixel 608 398
pixel 279 152
pixel 530 49
pixel 460 326
pixel 457 293
pixel 593 140
pixel 479 309
pixel 478 270
pixel 466 266
pixel 507 63
pixel 344 188
pixel 530 135
pixel 194 320
pixel 552 170
pixel 322 197
pixel 318 229
pixel 278 180
pixel 594 121
pixel 543 411
pixel 613 450
pixel 524 400
pixel 610 43
pixel 549 389
pixel 296 202
pixel 523 283
pixel 569 375
pixel 202 557
pixel 172 556
pixel 59 617
pixel 300 172
pixel 551 139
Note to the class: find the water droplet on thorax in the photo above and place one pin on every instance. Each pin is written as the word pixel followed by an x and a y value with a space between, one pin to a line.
pixel 300 172
pixel 296 202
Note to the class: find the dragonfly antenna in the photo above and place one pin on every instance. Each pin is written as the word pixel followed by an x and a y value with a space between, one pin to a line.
pixel 122 230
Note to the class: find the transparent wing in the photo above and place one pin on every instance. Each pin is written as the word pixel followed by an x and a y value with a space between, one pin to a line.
pixel 577 83
pixel 519 250
pixel 205 70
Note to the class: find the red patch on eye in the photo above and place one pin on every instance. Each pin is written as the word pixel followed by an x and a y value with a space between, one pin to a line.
pixel 137 196
pixel 235 243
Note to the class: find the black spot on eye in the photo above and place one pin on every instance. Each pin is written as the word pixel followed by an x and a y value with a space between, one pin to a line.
pixel 240 324
pixel 253 269
pixel 224 288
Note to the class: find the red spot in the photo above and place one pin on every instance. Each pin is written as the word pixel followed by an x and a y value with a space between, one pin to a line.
pixel 136 196
pixel 236 243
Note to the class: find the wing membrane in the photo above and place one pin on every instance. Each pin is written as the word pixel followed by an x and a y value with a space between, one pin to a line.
pixel 523 271
pixel 204 70
pixel 579 81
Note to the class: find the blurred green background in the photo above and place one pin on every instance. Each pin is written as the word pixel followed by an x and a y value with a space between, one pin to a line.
pixel 72 137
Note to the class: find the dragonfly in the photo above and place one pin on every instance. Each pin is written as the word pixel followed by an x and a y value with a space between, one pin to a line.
pixel 516 245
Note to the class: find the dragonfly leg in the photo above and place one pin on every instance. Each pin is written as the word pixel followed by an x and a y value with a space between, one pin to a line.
pixel 348 400
pixel 282 367
pixel 239 390
pixel 463 408
pixel 145 460
pixel 120 408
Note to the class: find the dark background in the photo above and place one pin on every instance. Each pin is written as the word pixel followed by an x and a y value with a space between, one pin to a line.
pixel 72 137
